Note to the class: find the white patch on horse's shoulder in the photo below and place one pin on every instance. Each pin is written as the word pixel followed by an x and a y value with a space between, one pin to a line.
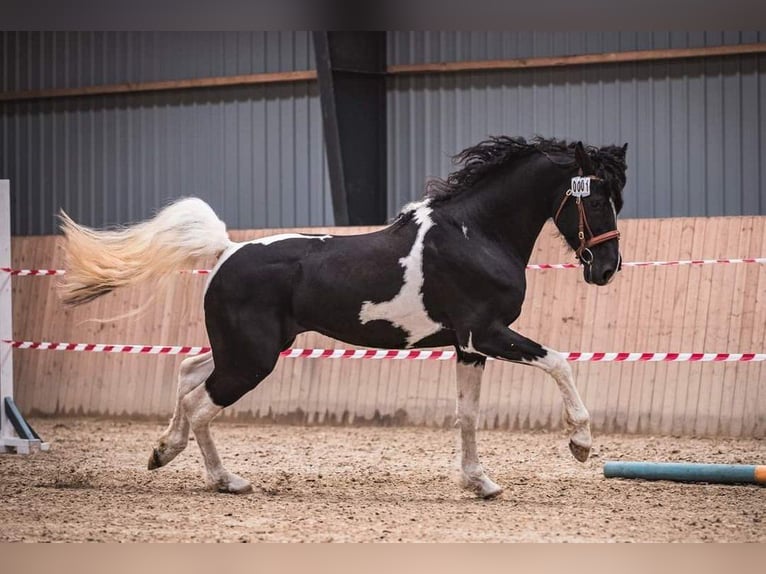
pixel 407 310
pixel 234 247
pixel 465 230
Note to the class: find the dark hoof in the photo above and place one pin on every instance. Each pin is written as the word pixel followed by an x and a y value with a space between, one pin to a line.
pixel 581 453
pixel 155 461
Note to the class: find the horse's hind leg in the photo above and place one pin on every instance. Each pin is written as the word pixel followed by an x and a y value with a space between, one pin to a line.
pixel 244 356
pixel 468 376
pixel 201 410
pixel 193 372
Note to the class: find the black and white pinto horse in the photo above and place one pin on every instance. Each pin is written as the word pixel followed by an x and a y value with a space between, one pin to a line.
pixel 449 270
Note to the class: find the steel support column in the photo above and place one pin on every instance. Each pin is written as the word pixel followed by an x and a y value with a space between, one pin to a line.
pixel 351 68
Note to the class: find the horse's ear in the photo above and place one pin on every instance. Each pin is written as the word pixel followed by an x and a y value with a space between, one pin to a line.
pixel 623 150
pixel 583 159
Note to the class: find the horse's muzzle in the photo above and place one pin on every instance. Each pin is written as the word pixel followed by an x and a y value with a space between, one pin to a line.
pixel 599 273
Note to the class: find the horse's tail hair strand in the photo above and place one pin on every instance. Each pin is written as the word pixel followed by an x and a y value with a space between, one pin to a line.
pixel 100 261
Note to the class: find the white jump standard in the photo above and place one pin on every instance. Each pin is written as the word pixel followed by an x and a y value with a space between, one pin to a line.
pixel 15 433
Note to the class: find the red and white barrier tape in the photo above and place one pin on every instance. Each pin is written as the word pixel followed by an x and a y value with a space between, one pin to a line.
pixel 45 272
pixel 391 354
pixel 655 263
pixel 38 272
pixel 540 266
pixel 103 348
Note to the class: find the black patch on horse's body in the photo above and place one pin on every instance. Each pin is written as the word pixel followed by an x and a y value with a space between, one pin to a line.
pixel 486 218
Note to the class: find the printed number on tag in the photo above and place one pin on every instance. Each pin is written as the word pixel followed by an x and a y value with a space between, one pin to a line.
pixel 580 186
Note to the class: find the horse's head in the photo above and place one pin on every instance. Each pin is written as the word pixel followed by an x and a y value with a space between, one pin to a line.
pixel 586 214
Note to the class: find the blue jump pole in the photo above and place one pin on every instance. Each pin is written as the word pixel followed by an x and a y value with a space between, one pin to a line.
pixel 687 472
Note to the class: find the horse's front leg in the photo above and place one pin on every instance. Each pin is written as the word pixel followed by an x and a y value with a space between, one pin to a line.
pixel 503 343
pixel 468 375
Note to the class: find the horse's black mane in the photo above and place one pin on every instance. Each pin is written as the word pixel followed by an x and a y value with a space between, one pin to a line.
pixel 483 158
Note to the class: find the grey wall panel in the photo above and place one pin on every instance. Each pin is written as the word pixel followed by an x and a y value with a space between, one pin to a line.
pixel 427 47
pixel 256 153
pixel 696 128
pixel 39 60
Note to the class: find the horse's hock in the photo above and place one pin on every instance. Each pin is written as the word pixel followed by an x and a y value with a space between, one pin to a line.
pixel 711 308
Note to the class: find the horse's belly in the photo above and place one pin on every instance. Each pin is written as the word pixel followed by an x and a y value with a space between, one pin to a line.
pixel 382 335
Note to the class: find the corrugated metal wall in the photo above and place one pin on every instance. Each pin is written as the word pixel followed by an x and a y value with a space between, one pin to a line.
pixel 696 128
pixel 255 153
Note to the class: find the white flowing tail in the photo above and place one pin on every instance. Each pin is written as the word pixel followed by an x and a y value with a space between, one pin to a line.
pixel 99 261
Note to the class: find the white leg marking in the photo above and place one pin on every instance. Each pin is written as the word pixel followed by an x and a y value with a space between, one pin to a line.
pixel 473 477
pixel 577 415
pixel 406 310
pixel 193 372
pixel 465 230
pixel 201 410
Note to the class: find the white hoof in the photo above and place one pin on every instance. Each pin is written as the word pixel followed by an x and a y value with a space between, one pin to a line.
pixel 232 484
pixel 482 485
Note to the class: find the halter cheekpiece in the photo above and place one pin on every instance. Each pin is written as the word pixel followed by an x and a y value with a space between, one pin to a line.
pixel 580 188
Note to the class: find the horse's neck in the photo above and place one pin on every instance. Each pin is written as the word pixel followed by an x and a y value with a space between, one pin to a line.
pixel 512 208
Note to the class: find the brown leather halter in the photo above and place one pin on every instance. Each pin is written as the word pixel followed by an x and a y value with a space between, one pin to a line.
pixel 582 225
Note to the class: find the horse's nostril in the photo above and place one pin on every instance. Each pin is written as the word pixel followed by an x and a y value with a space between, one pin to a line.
pixel 608 274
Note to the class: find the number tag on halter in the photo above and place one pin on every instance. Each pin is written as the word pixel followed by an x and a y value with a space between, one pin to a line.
pixel 580 186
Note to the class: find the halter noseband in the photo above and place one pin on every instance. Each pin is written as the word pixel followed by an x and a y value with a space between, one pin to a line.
pixel 582 226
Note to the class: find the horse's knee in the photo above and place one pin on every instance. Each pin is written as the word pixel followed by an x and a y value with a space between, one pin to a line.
pixel 500 342
pixel 557 366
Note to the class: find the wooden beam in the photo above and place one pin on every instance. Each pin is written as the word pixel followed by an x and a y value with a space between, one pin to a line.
pixel 580 60
pixel 132 87
pixel 396 70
